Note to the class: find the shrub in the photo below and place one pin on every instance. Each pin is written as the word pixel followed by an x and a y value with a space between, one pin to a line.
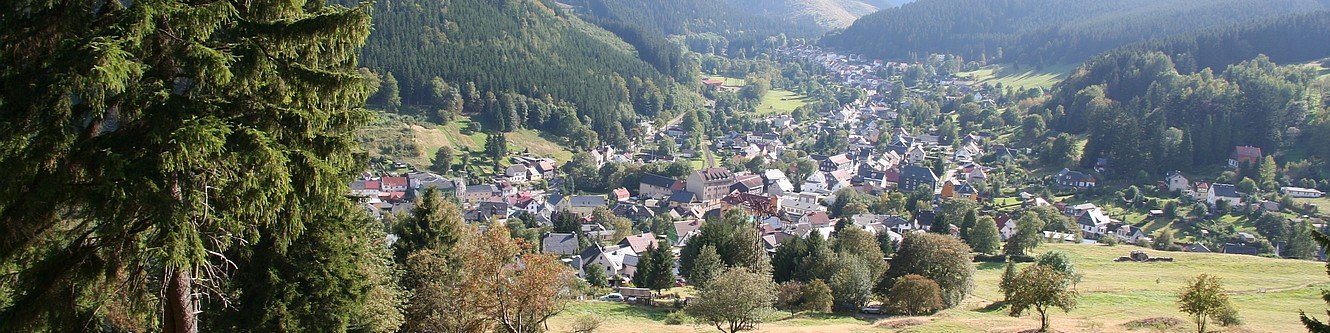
pixel 586 323
pixel 916 295
pixel 678 318
pixel 1109 240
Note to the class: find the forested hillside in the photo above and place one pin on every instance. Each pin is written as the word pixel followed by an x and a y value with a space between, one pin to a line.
pixel 1125 100
pixel 1041 32
pixel 733 26
pixel 515 63
pixel 1287 39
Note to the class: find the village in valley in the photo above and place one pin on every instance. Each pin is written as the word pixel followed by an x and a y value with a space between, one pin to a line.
pixel 868 164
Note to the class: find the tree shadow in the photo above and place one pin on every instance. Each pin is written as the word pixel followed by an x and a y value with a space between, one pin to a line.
pixel 993 307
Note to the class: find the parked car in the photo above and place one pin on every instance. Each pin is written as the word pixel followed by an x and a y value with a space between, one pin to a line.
pixel 872 309
pixel 612 297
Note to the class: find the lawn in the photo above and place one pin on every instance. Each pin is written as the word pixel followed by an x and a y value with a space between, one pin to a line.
pixel 1268 294
pixel 780 101
pixel 1025 77
pixel 1322 203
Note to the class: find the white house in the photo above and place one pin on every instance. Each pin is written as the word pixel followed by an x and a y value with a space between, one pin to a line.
pixel 1225 192
pixel 1176 182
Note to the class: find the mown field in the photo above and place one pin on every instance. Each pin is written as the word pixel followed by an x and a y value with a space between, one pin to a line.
pixel 776 101
pixel 780 101
pixel 1025 77
pixel 427 138
pixel 1268 293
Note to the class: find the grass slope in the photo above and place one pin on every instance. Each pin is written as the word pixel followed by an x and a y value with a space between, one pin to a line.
pixel 780 101
pixel 427 138
pixel 1268 294
pixel 1027 78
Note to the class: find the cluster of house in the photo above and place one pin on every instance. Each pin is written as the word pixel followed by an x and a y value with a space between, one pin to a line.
pixel 508 194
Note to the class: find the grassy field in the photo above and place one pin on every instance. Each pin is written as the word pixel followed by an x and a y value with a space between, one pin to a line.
pixel 1322 204
pixel 1025 77
pixel 780 101
pixel 1267 292
pixel 463 133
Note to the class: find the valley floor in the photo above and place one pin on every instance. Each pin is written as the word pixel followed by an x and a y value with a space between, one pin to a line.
pixel 1268 293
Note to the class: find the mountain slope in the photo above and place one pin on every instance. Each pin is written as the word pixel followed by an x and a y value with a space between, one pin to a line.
pixel 733 18
pixel 1288 39
pixel 1042 31
pixel 525 47
pixel 827 14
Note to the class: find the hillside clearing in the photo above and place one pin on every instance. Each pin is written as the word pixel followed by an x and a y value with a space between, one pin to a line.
pixel 780 101
pixel 1044 77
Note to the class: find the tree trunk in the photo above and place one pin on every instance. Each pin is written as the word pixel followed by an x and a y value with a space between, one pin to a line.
pixel 179 306
pixel 1043 320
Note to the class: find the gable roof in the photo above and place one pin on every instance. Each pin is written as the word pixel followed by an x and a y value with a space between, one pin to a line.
pixel 1246 153
pixel 838 159
pixel 657 180
pixel 587 201
pixel 711 174
pixel 917 173
pixel 559 243
pixel 684 197
pixel 1225 191
pixel 639 243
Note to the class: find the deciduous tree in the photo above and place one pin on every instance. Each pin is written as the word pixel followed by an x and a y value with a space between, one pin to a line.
pixel 943 259
pixel 737 299
pixel 914 295
pixel 1204 299
pixel 1041 288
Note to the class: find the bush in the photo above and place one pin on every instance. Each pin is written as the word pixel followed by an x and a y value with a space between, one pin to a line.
pixel 916 295
pixel 1228 317
pixel 678 318
pixel 586 324
pixel 1109 240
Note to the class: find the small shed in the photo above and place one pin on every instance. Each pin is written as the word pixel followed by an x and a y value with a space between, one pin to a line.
pixel 642 295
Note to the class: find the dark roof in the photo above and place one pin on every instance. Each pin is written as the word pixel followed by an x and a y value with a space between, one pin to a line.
pixel 1074 176
pixel 657 180
pixel 711 174
pixel 1225 190
pixel 684 197
pixel 918 173
pixel 924 218
pixel 1239 249
pixel 559 243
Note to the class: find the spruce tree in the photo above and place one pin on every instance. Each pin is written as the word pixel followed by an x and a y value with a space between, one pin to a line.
pixel 146 140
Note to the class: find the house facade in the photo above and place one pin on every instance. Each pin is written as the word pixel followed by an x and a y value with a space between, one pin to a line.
pixel 711 184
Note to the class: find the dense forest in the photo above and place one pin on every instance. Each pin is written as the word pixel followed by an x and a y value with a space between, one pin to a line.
pixel 1041 32
pixel 1287 39
pixel 518 63
pixel 1125 100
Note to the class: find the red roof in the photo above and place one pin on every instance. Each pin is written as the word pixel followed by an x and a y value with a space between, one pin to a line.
pixel 621 194
pixel 819 218
pixel 713 82
pixel 839 159
pixel 1246 153
pixel 394 182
